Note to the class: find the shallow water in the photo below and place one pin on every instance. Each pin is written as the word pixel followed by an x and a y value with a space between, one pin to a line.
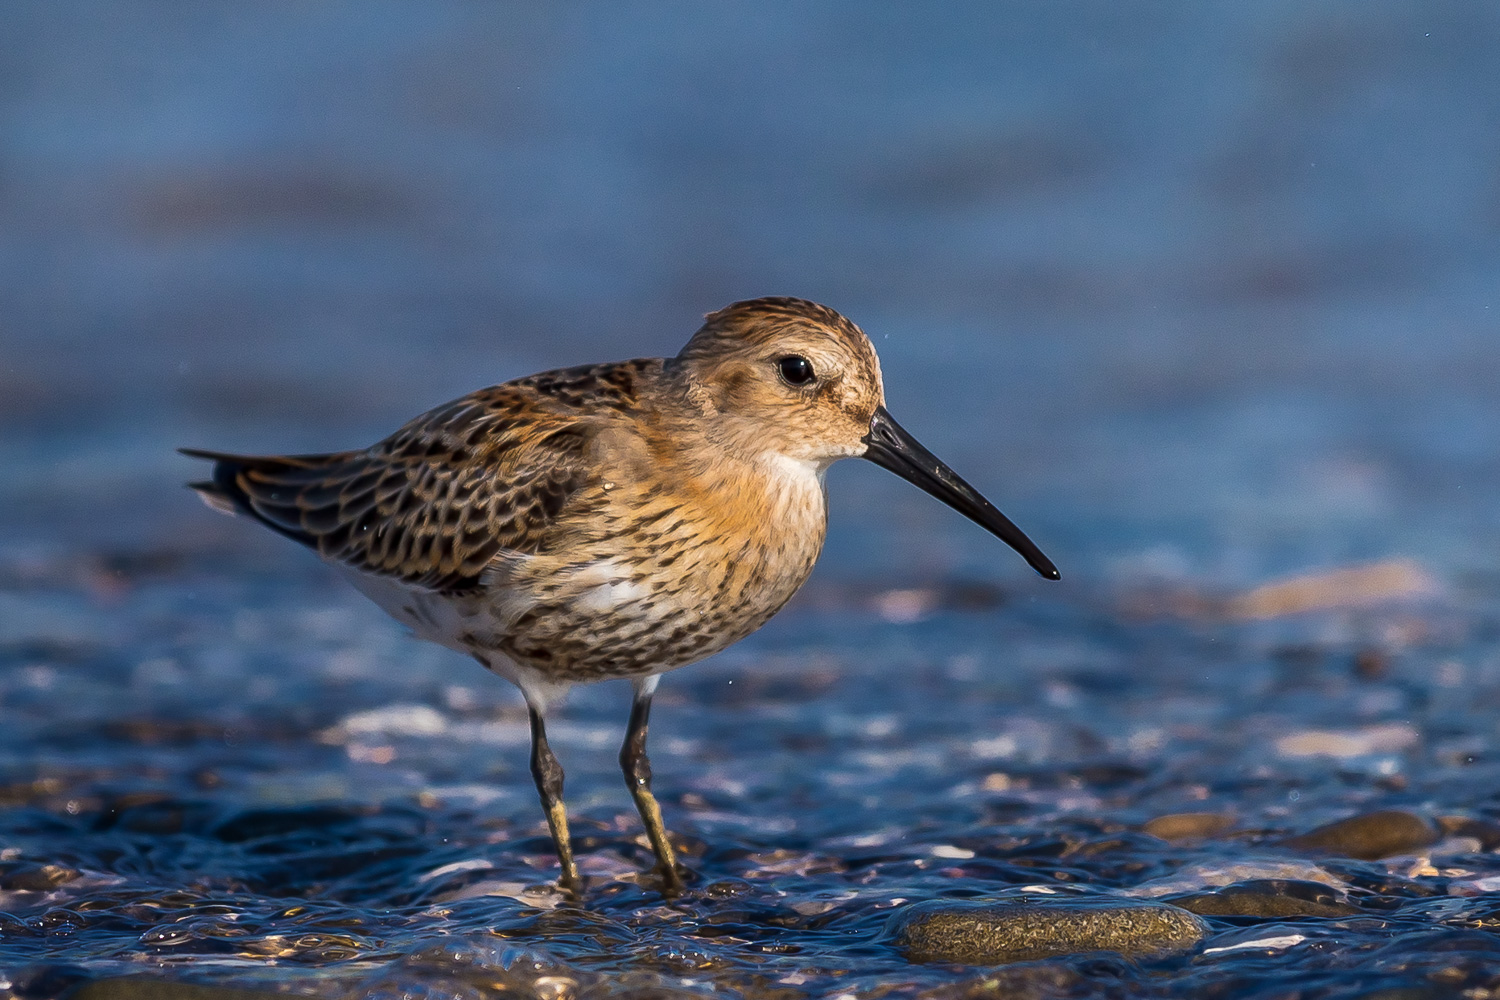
pixel 250 777
pixel 1202 299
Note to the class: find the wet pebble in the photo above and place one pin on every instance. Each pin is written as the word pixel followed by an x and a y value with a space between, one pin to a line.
pixel 1199 877
pixel 1371 664
pixel 479 969
pixel 1392 581
pixel 1369 836
pixel 998 932
pixel 36 878
pixel 1188 826
pixel 1345 744
pixel 36 982
pixel 1484 831
pixel 152 988
pixel 1030 981
pixel 1269 898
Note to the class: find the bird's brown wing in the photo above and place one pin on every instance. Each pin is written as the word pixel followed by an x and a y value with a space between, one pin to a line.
pixel 435 503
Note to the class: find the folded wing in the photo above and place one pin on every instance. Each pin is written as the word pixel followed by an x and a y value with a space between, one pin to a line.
pixel 496 472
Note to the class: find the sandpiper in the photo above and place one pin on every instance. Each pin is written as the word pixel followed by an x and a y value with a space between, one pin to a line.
pixel 615 520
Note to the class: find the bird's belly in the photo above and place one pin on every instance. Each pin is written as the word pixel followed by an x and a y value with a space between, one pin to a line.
pixel 617 617
pixel 605 618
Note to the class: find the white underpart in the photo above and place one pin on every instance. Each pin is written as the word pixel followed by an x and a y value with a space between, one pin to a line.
pixel 441 620
pixel 426 613
pixel 645 687
pixel 795 475
pixel 613 588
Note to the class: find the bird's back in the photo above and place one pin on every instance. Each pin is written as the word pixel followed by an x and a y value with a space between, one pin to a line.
pixel 498 471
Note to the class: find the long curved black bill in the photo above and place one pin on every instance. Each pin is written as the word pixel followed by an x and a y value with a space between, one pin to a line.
pixel 891 447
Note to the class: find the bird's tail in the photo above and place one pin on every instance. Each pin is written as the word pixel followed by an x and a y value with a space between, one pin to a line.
pixel 270 488
pixel 221 492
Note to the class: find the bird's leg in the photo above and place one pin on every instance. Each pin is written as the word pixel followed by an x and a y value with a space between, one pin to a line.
pixel 548 774
pixel 637 768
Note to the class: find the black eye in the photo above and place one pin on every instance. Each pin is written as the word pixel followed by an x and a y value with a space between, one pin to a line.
pixel 796 370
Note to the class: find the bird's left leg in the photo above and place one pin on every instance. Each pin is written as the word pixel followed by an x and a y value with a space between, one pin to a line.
pixel 637 768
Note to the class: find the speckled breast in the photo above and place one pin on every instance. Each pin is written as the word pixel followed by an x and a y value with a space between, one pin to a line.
pixel 666 585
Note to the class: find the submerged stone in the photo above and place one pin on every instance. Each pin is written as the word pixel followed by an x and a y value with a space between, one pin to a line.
pixel 1369 836
pixel 1188 826
pixel 1487 833
pixel 1269 898
pixel 37 878
pixel 1002 931
pixel 1213 874
pixel 152 988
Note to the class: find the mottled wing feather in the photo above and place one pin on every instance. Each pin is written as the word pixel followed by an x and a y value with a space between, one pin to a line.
pixel 492 473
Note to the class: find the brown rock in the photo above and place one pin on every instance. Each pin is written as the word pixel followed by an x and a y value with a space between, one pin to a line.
pixel 1371 664
pixel 999 932
pixel 1482 830
pixel 1351 587
pixel 1369 836
pixel 1031 981
pixel 1269 898
pixel 1382 737
pixel 152 988
pixel 1188 826
pixel 37 878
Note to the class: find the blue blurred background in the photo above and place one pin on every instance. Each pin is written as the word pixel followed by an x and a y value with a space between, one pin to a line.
pixel 1197 291
pixel 1201 294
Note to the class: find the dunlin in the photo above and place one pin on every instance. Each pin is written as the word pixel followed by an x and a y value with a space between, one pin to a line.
pixel 617 520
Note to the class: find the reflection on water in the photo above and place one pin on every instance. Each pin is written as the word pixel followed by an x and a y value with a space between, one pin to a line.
pixel 1202 298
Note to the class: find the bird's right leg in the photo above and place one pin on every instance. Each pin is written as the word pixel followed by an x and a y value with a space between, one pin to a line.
pixel 548 774
pixel 637 768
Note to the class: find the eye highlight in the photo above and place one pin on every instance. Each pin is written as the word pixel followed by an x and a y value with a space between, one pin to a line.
pixel 795 370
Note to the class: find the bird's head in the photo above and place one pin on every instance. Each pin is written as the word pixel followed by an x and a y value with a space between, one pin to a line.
pixel 786 377
pixel 791 381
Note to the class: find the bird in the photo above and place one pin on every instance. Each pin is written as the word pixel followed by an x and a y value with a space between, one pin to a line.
pixel 607 521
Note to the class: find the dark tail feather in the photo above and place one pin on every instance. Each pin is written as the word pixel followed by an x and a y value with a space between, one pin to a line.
pixel 221 492
pixel 226 492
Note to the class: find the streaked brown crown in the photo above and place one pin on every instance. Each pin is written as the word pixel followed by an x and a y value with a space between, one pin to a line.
pixel 756 321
